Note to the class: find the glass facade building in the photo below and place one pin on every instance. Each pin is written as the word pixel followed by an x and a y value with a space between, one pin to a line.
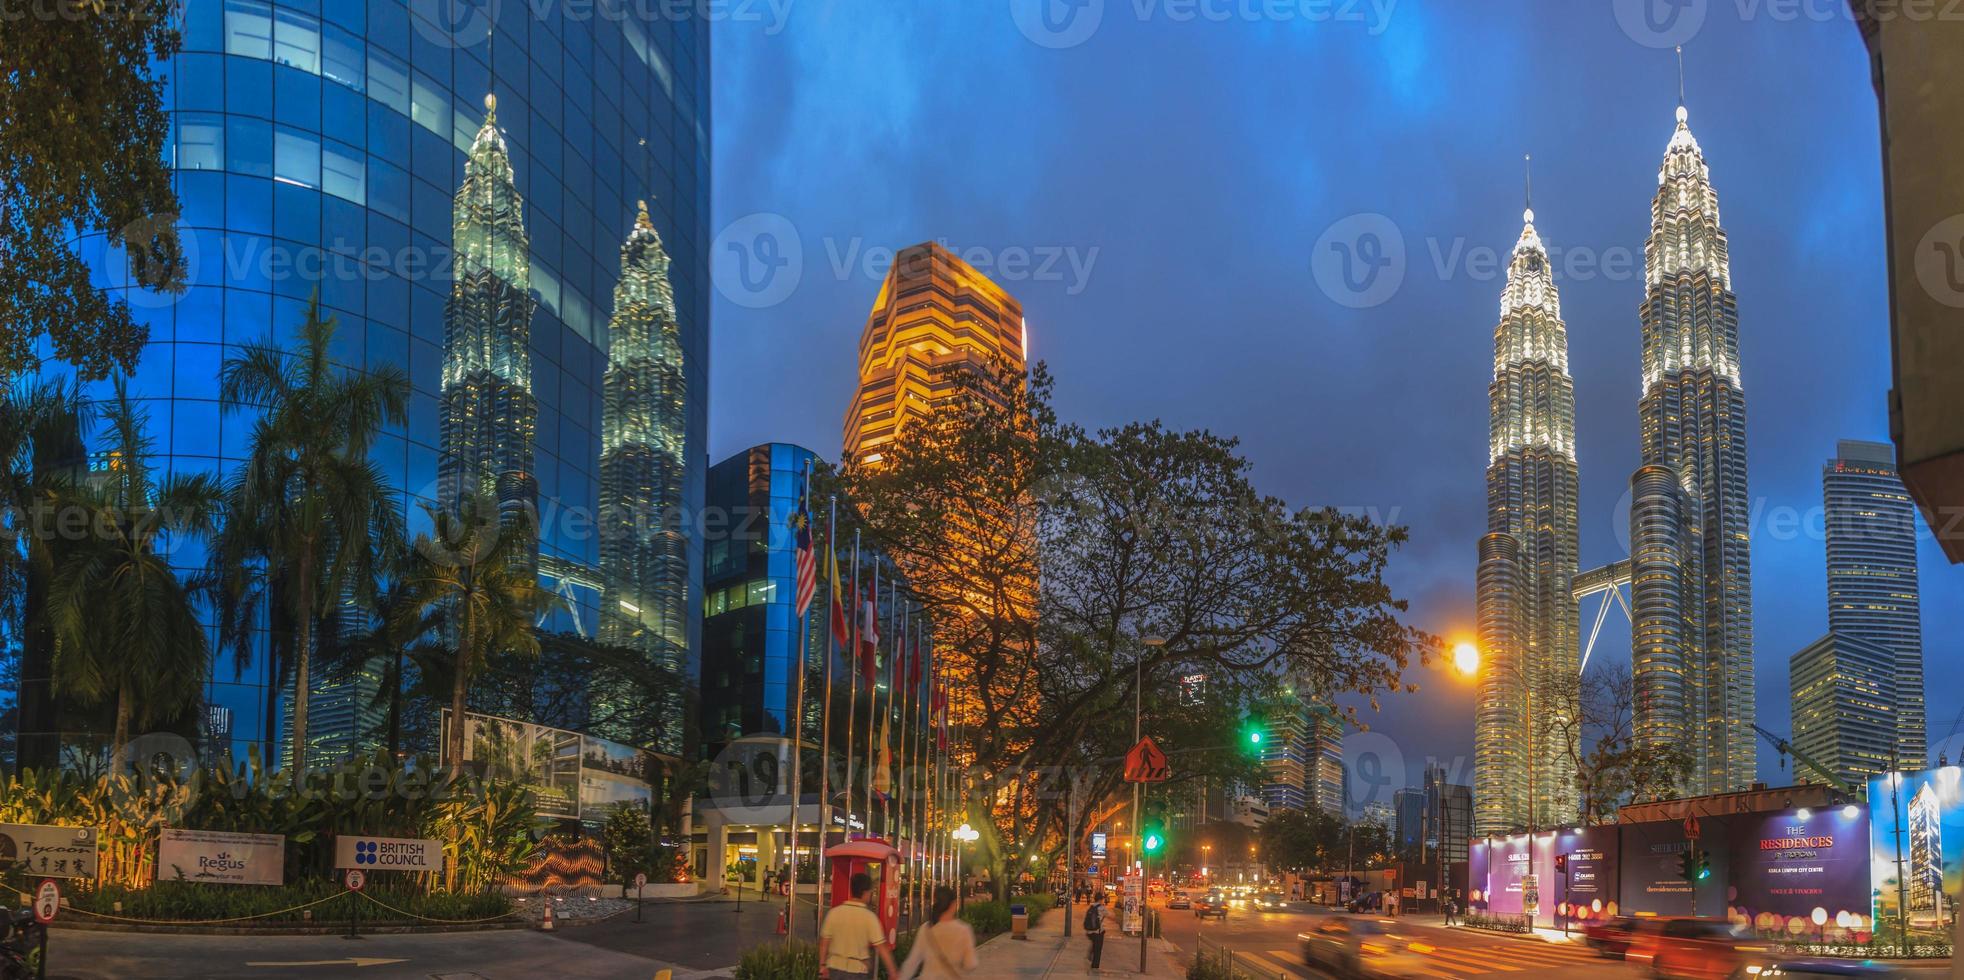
pixel 1872 586
pixel 318 147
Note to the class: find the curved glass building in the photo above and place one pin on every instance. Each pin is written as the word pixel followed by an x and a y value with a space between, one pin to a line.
pixel 319 145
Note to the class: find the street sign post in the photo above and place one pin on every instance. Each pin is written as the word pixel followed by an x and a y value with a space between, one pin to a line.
pixel 1146 763
pixel 47 901
pixel 355 878
pixel 640 882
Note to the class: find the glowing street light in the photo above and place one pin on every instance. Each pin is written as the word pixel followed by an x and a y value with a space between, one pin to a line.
pixel 1466 658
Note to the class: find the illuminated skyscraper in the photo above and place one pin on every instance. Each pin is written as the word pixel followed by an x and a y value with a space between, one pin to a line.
pixel 1527 617
pixel 1286 752
pixel 644 559
pixel 1872 587
pixel 489 415
pixel 1690 581
pixel 934 313
pixel 1844 706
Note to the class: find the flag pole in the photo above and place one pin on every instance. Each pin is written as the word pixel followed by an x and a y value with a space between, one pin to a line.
pixel 872 679
pixel 902 810
pixel 852 701
pixel 910 755
pixel 825 714
pixel 797 725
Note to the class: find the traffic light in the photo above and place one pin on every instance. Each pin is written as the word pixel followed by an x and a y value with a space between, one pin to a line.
pixel 1686 864
pixel 1701 868
pixel 1254 736
pixel 1561 864
pixel 1153 841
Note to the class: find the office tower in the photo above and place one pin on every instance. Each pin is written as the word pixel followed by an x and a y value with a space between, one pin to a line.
pixel 490 416
pixel 1844 714
pixel 935 317
pixel 1414 823
pixel 1527 617
pixel 1872 587
pixel 644 558
pixel 311 138
pixel 1690 575
pixel 1325 776
pixel 1449 814
pixel 1286 748
pixel 1926 854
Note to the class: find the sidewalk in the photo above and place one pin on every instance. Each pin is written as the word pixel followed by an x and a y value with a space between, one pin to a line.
pixel 1047 953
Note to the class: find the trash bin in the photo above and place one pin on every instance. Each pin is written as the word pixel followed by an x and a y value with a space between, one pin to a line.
pixel 1019 922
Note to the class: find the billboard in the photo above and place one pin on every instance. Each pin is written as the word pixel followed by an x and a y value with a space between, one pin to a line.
pixel 387 853
pixel 1916 850
pixel 1801 874
pixel 572 776
pixel 48 851
pixel 1651 879
pixel 225 858
pixel 1501 875
pixel 1586 890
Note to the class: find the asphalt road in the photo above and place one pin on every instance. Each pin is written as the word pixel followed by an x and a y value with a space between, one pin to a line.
pixel 1264 944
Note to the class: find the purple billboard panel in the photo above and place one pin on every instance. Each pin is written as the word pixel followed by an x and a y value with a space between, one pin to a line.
pixel 1585 889
pixel 1501 870
pixel 1650 881
pixel 1802 874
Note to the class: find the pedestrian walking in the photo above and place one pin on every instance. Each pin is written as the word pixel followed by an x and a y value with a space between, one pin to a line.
pixel 944 947
pixel 852 937
pixel 1452 908
pixel 1094 929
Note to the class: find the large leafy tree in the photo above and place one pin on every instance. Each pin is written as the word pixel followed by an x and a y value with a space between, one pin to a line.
pixel 82 132
pixel 42 454
pixel 1140 534
pixel 309 508
pixel 125 627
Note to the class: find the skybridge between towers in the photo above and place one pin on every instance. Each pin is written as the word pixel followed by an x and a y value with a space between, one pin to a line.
pixel 1608 581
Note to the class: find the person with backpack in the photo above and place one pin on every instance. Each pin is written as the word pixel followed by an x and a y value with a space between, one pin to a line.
pixel 944 947
pixel 1094 928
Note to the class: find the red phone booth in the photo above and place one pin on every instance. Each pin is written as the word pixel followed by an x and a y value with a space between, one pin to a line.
pixel 878 860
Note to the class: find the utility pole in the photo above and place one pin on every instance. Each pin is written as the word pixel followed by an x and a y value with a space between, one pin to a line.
pixel 1902 887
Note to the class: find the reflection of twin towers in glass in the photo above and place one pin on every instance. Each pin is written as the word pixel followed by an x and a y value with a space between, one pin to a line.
pixel 490 415
pixel 1691 603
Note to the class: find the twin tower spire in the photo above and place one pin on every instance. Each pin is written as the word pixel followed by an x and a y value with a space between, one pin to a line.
pixel 490 413
pixel 1691 619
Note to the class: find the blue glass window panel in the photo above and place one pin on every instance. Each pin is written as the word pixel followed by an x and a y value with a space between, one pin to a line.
pixel 235 432
pixel 296 98
pixel 431 214
pixel 426 312
pixel 426 376
pixel 296 219
pixel 248 317
pixel 198 312
pixel 203 25
pixel 464 124
pixel 297 40
pixel 388 134
pixel 194 421
pixel 249 29
pixel 249 146
pixel 429 104
pixel 344 287
pixel 296 157
pixel 304 6
pixel 430 45
pixel 249 87
pixel 388 296
pixel 388 26
pixel 387 345
pixel 472 79
pixel 393 456
pixel 388 189
pixel 209 246
pixel 200 82
pixel 343 57
pixel 198 366
pixel 152 377
pixel 351 14
pixel 200 141
pixel 388 80
pixel 344 172
pixel 349 344
pixel 344 115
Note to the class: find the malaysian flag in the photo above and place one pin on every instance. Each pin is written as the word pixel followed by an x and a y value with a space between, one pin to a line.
pixel 801 526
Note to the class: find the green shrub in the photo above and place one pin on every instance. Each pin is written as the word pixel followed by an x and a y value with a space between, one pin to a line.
pixel 986 918
pixel 182 901
pixel 788 960
pixel 1499 923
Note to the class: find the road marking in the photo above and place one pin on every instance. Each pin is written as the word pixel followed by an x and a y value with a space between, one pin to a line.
pixel 1276 968
pixel 356 961
pixel 1458 956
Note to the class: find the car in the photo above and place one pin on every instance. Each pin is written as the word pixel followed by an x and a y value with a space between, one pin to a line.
pixel 1363 946
pixel 1179 900
pixel 1690 947
pixel 1612 937
pixel 1212 903
pixel 1271 902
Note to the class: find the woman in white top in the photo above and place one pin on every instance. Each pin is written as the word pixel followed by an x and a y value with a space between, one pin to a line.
pixel 944 948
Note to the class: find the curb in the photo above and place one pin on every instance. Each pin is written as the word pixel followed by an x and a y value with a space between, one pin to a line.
pixel 283 929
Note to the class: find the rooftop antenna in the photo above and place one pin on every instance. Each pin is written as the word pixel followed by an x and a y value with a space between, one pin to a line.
pixel 1681 112
pixel 1527 169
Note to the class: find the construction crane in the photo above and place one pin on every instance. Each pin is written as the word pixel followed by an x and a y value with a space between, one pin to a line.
pixel 1786 749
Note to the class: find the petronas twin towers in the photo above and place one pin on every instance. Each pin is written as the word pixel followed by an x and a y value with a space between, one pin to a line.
pixel 1689 571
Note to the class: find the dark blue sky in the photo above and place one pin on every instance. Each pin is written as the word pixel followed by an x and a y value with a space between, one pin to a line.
pixel 1168 175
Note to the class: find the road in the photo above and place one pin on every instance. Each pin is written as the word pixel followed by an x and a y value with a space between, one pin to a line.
pixel 1264 943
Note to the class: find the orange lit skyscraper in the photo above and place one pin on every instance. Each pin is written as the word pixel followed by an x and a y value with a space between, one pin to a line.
pixel 934 312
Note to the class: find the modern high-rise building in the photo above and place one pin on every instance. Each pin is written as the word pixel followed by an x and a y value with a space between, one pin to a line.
pixel 1527 616
pixel 1926 854
pixel 490 416
pixel 320 146
pixel 645 600
pixel 1844 715
pixel 1449 808
pixel 1325 778
pixel 1690 567
pixel 1286 752
pixel 935 316
pixel 1872 586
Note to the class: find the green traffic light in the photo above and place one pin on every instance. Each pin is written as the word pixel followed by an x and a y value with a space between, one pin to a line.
pixel 1254 738
pixel 1152 842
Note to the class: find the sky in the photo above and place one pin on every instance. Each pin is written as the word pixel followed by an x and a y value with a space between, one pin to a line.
pixel 1153 179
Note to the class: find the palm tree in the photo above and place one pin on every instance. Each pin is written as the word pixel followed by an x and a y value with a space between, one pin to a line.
pixel 404 627
pixel 124 625
pixel 41 453
pixel 309 506
pixel 474 570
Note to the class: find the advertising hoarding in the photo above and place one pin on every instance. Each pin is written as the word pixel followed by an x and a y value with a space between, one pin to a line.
pixel 224 858
pixel 1917 818
pixel 387 853
pixel 48 851
pixel 1501 867
pixel 1786 870
pixel 572 776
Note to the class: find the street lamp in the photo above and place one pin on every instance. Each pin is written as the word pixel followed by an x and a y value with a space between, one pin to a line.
pixel 1138 689
pixel 1466 658
pixel 963 834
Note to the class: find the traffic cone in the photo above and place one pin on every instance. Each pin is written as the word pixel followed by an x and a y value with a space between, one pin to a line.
pixel 547 924
pixel 781 930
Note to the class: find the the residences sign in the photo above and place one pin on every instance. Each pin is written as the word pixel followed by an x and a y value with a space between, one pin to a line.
pixel 225 858
pixel 387 853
